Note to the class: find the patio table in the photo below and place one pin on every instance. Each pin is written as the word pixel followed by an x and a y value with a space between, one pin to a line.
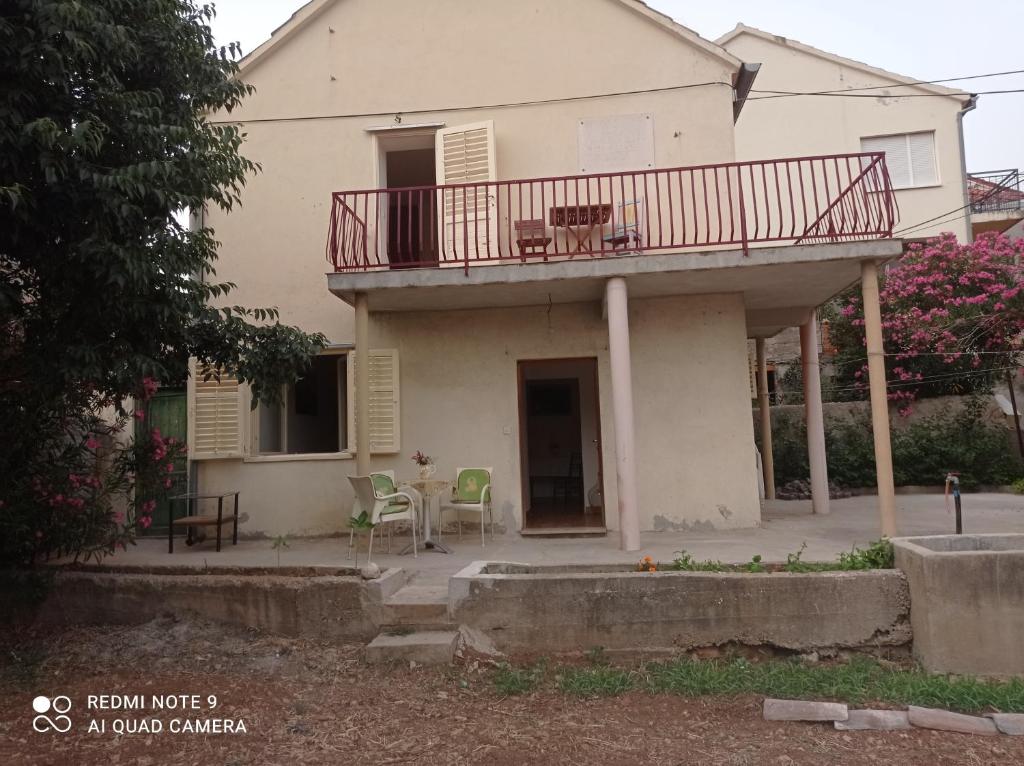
pixel 580 221
pixel 430 489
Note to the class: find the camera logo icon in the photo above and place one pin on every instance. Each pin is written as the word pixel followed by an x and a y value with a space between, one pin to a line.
pixel 59 705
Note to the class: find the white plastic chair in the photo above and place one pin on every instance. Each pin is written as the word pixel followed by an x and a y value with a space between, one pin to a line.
pixel 472 492
pixel 381 507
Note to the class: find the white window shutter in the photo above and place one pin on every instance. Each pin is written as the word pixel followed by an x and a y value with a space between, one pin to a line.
pixel 896 159
pixel 215 415
pixel 922 159
pixel 465 155
pixel 384 401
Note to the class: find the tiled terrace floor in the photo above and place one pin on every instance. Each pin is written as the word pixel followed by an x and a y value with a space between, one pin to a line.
pixel 786 525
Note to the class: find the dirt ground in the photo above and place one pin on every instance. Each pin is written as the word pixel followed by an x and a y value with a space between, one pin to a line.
pixel 312 703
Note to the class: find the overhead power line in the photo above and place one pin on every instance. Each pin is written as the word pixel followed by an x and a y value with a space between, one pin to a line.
pixel 788 94
pixel 639 91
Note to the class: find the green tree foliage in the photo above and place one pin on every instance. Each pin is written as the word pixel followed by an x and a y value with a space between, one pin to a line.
pixel 104 136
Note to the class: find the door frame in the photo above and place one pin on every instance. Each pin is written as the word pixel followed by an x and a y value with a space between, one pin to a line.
pixel 524 465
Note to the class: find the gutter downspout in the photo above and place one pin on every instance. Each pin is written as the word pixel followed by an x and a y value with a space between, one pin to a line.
pixel 741 88
pixel 972 104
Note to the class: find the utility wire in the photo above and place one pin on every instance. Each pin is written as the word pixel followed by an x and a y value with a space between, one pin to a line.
pixel 402 112
pixel 788 93
pixel 566 99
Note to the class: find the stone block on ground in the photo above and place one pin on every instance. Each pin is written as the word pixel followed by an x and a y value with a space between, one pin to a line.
pixel 1009 723
pixel 429 647
pixel 799 710
pixel 875 720
pixel 944 720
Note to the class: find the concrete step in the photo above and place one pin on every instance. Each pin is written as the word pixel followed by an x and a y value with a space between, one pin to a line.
pixel 417 605
pixel 565 532
pixel 428 647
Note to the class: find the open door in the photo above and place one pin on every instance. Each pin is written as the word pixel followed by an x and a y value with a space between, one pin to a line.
pixel 468 214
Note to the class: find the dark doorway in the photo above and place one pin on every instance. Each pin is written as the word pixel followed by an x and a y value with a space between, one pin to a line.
pixel 560 446
pixel 412 212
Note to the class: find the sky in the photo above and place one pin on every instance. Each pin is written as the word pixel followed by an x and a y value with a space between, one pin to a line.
pixel 925 39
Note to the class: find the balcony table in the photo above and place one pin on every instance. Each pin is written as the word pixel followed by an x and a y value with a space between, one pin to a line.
pixel 580 221
pixel 430 489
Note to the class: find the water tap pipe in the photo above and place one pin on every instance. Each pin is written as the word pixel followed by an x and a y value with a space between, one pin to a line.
pixel 953 480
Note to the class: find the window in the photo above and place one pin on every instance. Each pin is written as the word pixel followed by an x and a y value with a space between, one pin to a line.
pixel 910 158
pixel 312 416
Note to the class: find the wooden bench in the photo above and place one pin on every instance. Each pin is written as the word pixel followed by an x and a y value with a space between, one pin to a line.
pixel 531 236
pixel 192 521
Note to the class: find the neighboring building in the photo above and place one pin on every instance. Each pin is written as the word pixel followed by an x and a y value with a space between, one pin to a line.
pixel 555 262
pixel 921 137
pixel 997 202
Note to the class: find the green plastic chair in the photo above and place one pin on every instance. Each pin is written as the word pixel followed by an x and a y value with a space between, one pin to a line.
pixel 382 502
pixel 472 492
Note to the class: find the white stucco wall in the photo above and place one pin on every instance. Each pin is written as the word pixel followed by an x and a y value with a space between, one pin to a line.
pixel 458 369
pixel 460 405
pixel 787 127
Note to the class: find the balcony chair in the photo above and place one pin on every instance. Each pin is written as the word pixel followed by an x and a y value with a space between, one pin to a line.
pixel 531 236
pixel 377 497
pixel 472 492
pixel 626 227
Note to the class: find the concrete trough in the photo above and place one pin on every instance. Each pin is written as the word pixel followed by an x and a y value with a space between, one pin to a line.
pixel 967 594
pixel 310 602
pixel 537 609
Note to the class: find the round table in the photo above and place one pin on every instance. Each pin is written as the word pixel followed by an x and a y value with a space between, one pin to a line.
pixel 429 489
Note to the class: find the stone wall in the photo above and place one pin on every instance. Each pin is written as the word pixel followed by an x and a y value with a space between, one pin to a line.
pixel 568 609
pixel 318 606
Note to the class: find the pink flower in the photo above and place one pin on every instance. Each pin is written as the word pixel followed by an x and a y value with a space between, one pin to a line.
pixel 92 443
pixel 139 415
pixel 145 521
pixel 167 483
pixel 149 387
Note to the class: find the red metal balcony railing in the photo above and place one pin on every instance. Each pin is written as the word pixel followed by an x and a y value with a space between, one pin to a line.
pixel 805 199
pixel 996 191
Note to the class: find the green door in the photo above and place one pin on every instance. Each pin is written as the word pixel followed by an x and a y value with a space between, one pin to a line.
pixel 168 411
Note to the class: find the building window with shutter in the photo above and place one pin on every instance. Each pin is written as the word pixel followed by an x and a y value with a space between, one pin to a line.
pixel 312 415
pixel 910 158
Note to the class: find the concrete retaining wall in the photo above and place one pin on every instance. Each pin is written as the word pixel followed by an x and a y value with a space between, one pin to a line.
pixel 968 602
pixel 523 608
pixel 316 606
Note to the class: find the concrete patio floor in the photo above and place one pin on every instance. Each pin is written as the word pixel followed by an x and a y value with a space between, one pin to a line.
pixel 785 526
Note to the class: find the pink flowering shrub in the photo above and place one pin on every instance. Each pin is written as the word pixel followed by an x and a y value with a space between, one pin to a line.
pixel 89 488
pixel 952 319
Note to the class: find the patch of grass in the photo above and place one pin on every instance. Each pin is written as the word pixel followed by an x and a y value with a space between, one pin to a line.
pixel 511 681
pixel 597 681
pixel 859 681
pixel 877 555
pixel 687 563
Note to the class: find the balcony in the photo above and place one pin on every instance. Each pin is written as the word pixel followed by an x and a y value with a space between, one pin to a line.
pixel 803 200
pixel 997 200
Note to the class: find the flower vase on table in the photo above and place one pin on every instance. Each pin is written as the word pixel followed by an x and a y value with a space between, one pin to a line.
pixel 425 464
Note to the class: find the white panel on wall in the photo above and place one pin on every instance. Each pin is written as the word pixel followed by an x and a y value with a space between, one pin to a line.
pixel 616 143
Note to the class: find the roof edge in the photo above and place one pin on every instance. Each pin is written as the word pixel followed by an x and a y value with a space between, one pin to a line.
pixel 939 90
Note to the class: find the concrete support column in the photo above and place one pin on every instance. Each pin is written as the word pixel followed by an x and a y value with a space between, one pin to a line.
pixel 362 403
pixel 767 451
pixel 617 309
pixel 879 398
pixel 814 414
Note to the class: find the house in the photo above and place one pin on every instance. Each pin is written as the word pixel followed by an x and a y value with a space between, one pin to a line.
pixel 542 257
pixel 918 125
pixel 997 202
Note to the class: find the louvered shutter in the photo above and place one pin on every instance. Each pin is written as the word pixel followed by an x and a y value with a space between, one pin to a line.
pixel 469 223
pixel 896 159
pixel 921 148
pixel 215 415
pixel 384 401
